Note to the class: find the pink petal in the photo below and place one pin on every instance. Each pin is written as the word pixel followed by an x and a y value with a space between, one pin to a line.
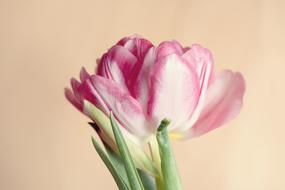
pixel 124 40
pixel 202 61
pixel 139 47
pixel 72 99
pixel 136 45
pixel 139 85
pixel 223 103
pixel 75 87
pixel 84 75
pixel 102 66
pixel 174 91
pixel 169 47
pixel 88 92
pixel 199 57
pixel 117 64
pixel 126 109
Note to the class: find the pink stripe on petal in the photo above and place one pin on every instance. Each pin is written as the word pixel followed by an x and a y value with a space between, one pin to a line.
pixel 117 65
pixel 125 108
pixel 123 58
pixel 174 91
pixel 139 85
pixel 223 103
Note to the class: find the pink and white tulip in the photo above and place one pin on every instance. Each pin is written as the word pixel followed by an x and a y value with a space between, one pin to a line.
pixel 142 84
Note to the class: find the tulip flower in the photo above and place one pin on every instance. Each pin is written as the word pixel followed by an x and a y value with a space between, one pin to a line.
pixel 135 87
pixel 142 84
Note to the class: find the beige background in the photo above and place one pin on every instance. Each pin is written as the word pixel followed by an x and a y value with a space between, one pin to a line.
pixel 45 143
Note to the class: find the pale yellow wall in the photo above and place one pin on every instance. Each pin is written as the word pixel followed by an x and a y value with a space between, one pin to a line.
pixel 45 143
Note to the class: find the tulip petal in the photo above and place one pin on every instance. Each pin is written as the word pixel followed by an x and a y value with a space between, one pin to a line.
pixel 140 48
pixel 72 99
pixel 169 47
pixel 126 109
pixel 139 87
pixel 202 61
pixel 124 40
pixel 102 67
pixel 199 57
pixel 91 94
pixel 84 75
pixel 174 91
pixel 136 45
pixel 75 85
pixel 223 103
pixel 117 64
pixel 86 90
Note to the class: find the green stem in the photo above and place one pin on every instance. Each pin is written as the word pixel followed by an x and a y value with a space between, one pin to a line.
pixel 171 179
pixel 154 151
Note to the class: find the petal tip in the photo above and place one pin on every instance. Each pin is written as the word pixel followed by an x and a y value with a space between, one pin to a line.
pixel 83 74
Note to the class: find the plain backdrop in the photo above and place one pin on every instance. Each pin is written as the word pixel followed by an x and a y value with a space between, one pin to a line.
pixel 45 142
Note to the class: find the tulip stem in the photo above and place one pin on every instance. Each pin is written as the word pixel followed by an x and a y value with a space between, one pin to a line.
pixel 154 151
pixel 171 178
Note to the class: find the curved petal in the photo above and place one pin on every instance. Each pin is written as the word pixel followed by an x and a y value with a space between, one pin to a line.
pixel 72 99
pixel 142 52
pixel 85 90
pixel 202 61
pixel 167 48
pixel 223 103
pixel 75 85
pixel 125 108
pixel 174 91
pixel 84 75
pixel 91 94
pixel 199 57
pixel 139 86
pixel 136 45
pixel 124 40
pixel 117 64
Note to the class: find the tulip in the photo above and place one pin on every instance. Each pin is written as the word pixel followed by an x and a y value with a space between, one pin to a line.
pixel 142 84
pixel 138 85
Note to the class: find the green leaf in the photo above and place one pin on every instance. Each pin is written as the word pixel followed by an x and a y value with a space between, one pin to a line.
pixel 147 180
pixel 133 176
pixel 119 181
pixel 169 169
pixel 118 163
